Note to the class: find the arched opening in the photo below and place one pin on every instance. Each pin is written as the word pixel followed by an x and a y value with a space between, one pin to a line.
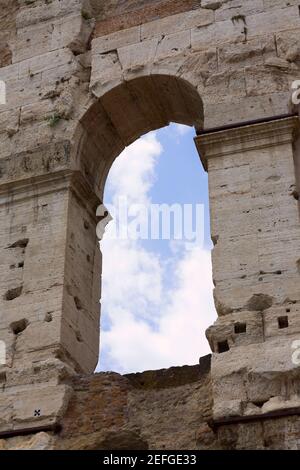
pixel 125 113
pixel 157 290
pixel 128 111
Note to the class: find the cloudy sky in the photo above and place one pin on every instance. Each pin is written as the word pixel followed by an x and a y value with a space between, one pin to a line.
pixel 157 294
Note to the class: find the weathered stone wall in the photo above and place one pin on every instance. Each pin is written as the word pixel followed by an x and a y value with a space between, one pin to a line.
pixel 139 411
pixel 84 79
pixel 7 30
pixel 234 53
pixel 155 410
pixel 115 16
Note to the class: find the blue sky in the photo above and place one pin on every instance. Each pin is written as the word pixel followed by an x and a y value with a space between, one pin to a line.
pixel 157 295
pixel 179 173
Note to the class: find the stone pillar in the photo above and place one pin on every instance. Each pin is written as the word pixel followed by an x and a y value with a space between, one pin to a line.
pixel 49 294
pixel 256 234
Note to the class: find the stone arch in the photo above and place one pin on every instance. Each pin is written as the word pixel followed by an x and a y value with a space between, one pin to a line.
pixel 127 111
pixel 111 122
pixel 242 61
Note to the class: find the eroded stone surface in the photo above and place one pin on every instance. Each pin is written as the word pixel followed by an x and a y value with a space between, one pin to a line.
pixel 143 411
pixel 83 80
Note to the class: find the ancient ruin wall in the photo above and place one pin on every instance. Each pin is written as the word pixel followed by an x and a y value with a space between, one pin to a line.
pixel 85 79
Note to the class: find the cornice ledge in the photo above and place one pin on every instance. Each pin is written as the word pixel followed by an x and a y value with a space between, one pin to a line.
pixel 245 138
pixel 51 182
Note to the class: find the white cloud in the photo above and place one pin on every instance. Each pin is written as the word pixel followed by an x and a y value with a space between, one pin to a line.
pixel 178 337
pixel 155 310
pixel 132 277
pixel 132 173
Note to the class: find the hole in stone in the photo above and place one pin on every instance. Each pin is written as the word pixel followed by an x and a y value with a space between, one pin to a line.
pixel 88 258
pixel 12 294
pixel 259 403
pixel 20 243
pixel 215 239
pixel 78 336
pixel 278 272
pixel 287 310
pixel 283 322
pixel 223 346
pixel 19 326
pixel 2 377
pixel 86 225
pixel 21 264
pixel 240 328
pixel 48 317
pixel 12 266
pixel 78 303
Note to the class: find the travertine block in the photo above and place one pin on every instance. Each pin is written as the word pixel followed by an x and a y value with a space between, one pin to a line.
pixel 174 44
pixel 256 51
pixel 72 32
pixel 273 21
pixel 55 9
pixel 233 8
pixel 217 33
pixel 115 40
pixel 137 55
pixel 35 405
pixel 177 23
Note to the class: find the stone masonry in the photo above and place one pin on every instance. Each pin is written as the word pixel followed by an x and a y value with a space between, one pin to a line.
pixel 84 79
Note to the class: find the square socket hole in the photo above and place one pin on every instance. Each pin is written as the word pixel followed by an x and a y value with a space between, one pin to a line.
pixel 223 346
pixel 240 328
pixel 283 322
